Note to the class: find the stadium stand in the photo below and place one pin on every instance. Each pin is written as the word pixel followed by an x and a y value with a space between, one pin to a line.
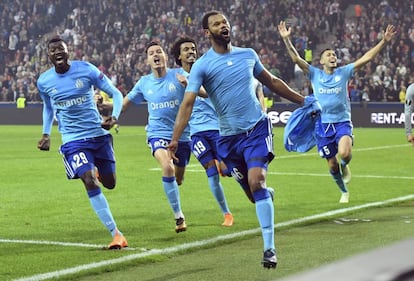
pixel 113 33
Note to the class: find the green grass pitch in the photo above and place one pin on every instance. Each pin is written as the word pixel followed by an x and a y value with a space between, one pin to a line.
pixel 48 227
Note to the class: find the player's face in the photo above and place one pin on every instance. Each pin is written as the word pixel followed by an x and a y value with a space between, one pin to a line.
pixel 329 59
pixel 188 53
pixel 219 28
pixel 58 54
pixel 156 57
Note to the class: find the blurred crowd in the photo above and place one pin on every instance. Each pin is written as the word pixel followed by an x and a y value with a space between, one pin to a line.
pixel 112 34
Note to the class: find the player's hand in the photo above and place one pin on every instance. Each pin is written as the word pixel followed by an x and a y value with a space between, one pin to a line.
pixel 389 33
pixel 182 79
pixel 108 122
pixel 172 149
pixel 44 143
pixel 283 31
pixel 98 99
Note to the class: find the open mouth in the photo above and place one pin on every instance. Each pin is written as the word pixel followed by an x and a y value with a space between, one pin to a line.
pixel 225 32
pixel 59 58
pixel 191 57
pixel 157 60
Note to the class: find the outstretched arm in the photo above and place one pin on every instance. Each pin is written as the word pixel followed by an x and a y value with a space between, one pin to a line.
pixel 387 36
pixel 280 87
pixel 293 53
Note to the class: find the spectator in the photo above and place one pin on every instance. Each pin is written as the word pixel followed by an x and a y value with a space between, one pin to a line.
pixel 125 33
pixel 21 102
pixel 402 94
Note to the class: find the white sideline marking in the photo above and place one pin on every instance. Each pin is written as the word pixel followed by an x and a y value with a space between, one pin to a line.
pixel 40 242
pixel 76 269
pixel 65 244
pixel 297 154
pixel 307 174
pixel 328 175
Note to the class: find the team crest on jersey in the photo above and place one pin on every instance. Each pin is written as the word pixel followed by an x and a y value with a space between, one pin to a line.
pixel 54 91
pixel 172 87
pixel 337 78
pixel 79 83
pixel 150 92
pixel 229 63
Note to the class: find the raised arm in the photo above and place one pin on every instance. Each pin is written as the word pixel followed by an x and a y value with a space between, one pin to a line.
pixel 293 53
pixel 387 36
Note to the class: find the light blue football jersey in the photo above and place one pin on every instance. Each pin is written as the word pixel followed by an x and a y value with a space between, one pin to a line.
pixel 230 87
pixel 331 90
pixel 204 116
pixel 164 96
pixel 70 98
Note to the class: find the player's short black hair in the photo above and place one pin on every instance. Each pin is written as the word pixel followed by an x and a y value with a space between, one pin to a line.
pixel 204 21
pixel 55 39
pixel 150 44
pixel 324 50
pixel 175 50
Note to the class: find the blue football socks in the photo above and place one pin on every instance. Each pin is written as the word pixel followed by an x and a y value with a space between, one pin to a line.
pixel 338 179
pixel 218 192
pixel 265 215
pixel 344 163
pixel 173 193
pixel 101 208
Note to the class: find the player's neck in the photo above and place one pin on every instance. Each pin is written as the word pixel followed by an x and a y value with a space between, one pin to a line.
pixel 328 70
pixel 62 68
pixel 159 72
pixel 221 48
pixel 187 67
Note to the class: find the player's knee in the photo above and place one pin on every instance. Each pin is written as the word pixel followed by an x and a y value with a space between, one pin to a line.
pixel 345 154
pixel 168 170
pixel 89 182
pixel 256 183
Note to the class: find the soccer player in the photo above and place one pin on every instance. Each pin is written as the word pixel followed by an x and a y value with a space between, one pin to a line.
pixel 164 92
pixel 204 128
pixel 67 93
pixel 330 88
pixel 245 145
pixel 408 111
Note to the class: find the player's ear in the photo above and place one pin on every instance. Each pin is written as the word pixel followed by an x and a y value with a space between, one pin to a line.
pixel 207 32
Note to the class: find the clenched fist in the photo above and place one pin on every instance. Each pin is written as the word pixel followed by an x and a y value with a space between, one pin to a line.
pixel 44 143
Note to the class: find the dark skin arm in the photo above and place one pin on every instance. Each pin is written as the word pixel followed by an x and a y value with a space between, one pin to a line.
pixel 279 87
pixel 44 142
pixel 108 122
